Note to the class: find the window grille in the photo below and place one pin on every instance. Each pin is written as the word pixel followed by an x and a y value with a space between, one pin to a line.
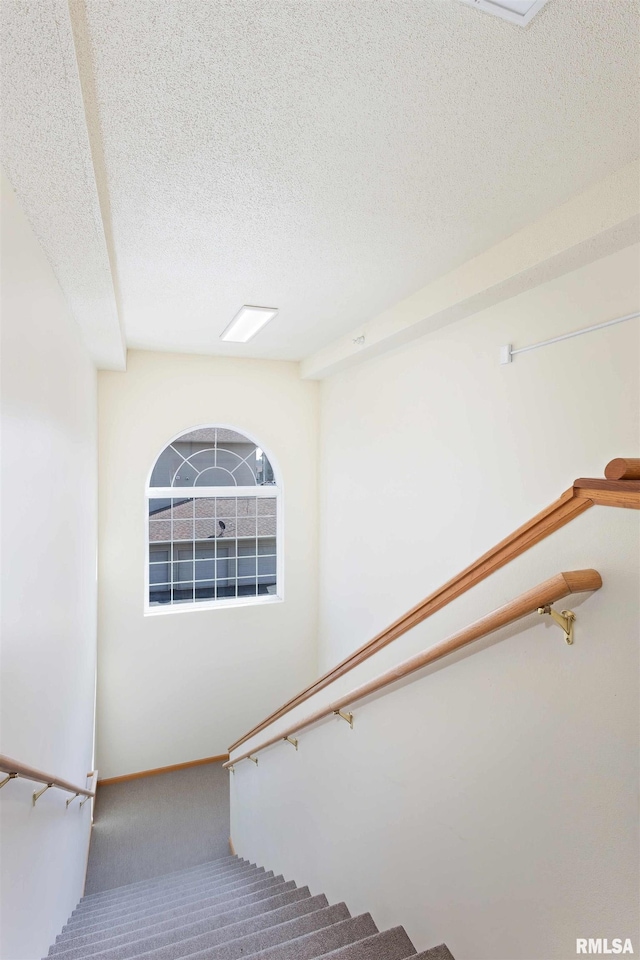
pixel 213 523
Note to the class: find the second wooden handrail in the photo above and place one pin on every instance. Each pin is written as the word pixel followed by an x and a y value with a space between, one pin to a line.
pixel 552 590
pixel 585 493
pixel 25 772
pixel 623 468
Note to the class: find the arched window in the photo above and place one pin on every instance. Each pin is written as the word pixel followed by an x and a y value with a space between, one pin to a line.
pixel 214 521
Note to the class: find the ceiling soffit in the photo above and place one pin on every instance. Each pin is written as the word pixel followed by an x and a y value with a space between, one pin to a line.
pixel 47 158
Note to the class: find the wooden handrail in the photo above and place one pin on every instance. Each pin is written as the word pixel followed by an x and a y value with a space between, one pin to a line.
pixel 583 494
pixel 22 770
pixel 563 584
pixel 623 468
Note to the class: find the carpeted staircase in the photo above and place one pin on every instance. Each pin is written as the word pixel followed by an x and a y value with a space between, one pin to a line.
pixel 221 911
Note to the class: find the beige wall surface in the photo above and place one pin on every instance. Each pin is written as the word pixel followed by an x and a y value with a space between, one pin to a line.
pixel 179 686
pixel 48 652
pixel 433 453
pixel 491 802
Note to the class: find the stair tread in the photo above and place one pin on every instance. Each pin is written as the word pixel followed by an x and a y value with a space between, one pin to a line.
pixel 313 944
pixel 190 942
pixel 277 884
pixel 194 921
pixel 393 944
pixel 189 878
pixel 211 864
pixel 253 943
pixel 226 909
pixel 159 908
pixel 172 893
pixel 441 952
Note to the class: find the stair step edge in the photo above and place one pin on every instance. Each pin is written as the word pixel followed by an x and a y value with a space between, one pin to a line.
pixel 392 944
pixel 254 908
pixel 227 934
pixel 159 906
pixel 163 877
pixel 169 893
pixel 271 888
pixel 441 952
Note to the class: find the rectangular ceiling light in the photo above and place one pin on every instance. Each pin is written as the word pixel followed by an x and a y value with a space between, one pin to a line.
pixel 247 322
pixel 515 11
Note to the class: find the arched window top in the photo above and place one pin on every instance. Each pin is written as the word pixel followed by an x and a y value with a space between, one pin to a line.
pixel 212 457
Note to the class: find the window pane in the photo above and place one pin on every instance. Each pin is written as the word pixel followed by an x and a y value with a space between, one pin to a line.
pixel 230 460
pixel 159 509
pixel 205 459
pixel 159 552
pixel 183 571
pixel 159 531
pixel 206 590
pixel 226 529
pixel 158 573
pixel 267 566
pixel 185 476
pixel 182 530
pixel 246 506
pixel 160 594
pixel 205 569
pixel 247 588
pixel 205 507
pixel 183 592
pixel 266 545
pixel 205 550
pixel 215 477
pixel 226 569
pixel 182 519
pixel 224 591
pixel 183 551
pixel 182 509
pixel 206 529
pixel 247 548
pixel 244 475
pixel 246 527
pixel 166 466
pixel 247 567
pixel 264 470
pixel 267 526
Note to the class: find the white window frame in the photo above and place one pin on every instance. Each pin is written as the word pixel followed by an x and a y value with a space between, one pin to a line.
pixel 189 493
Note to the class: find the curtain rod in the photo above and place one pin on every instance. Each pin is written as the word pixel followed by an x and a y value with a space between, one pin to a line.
pixel 507 352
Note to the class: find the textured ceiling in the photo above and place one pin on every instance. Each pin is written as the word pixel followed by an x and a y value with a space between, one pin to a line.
pixel 47 158
pixel 325 156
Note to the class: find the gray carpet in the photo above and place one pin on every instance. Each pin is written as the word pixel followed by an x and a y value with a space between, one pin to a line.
pixel 161 885
pixel 155 825
pixel 225 910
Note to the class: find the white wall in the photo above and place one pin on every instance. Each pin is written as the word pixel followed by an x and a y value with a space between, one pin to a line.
pixel 492 802
pixel 183 685
pixel 433 453
pixel 49 524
